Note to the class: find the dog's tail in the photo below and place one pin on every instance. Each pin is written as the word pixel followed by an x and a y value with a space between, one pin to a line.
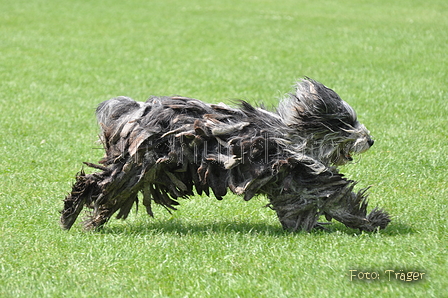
pixel 122 107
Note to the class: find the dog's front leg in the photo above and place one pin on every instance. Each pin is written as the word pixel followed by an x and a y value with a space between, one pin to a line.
pixel 350 208
pixel 295 213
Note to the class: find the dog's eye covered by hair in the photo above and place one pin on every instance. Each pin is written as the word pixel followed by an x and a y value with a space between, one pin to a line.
pixel 168 147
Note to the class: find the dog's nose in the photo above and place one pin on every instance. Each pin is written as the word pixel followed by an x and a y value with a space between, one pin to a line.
pixel 370 142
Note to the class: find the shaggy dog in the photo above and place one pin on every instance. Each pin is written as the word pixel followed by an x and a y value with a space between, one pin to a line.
pixel 166 146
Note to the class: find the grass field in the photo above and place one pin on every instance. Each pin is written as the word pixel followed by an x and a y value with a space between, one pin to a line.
pixel 59 59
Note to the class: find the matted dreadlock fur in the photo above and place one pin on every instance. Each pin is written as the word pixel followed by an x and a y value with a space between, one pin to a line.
pixel 166 147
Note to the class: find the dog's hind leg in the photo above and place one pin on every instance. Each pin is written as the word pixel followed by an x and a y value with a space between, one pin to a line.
pixel 119 189
pixel 83 192
pixel 104 193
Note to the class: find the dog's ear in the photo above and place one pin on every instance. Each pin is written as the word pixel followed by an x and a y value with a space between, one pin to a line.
pixel 308 101
pixel 321 101
pixel 313 105
pixel 318 99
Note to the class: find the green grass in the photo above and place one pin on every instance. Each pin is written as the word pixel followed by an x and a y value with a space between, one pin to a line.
pixel 59 59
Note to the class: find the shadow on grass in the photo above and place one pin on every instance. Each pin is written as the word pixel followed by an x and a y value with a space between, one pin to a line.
pixel 180 227
pixel 396 228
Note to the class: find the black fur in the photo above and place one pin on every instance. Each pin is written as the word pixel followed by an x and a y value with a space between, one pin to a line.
pixel 169 146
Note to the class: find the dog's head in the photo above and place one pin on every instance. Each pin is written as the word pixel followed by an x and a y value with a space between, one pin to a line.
pixel 329 124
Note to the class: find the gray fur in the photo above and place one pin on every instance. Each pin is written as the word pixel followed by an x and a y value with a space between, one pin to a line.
pixel 168 146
